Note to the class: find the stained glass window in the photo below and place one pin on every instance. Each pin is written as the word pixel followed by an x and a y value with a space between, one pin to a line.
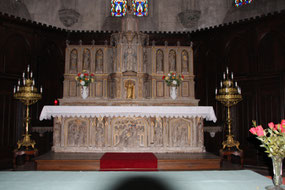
pixel 242 2
pixel 118 8
pixel 140 7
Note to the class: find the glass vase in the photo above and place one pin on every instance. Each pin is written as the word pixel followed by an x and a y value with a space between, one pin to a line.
pixel 173 92
pixel 84 91
pixel 277 173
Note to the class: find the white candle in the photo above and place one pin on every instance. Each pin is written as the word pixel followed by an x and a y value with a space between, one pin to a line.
pixel 216 91
pixel 31 75
pixel 23 75
pixel 224 76
pixel 24 81
pixel 19 82
pixel 236 84
pixel 18 88
pixel 226 89
pixel 33 82
pixel 41 89
pixel 232 75
pixel 227 70
pixel 221 84
pixel 28 69
pixel 32 88
pixel 14 89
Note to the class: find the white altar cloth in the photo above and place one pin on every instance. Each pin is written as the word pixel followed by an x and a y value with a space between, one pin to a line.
pixel 205 112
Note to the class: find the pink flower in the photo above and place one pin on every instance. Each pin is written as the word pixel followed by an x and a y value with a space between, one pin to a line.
pixel 259 131
pixel 271 125
pixel 253 130
pixel 283 122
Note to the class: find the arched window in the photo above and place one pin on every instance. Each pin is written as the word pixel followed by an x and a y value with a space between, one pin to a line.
pixel 140 7
pixel 118 8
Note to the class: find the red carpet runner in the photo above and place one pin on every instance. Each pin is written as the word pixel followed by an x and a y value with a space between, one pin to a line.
pixel 128 162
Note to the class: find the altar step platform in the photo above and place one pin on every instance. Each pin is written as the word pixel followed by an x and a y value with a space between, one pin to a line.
pixel 91 162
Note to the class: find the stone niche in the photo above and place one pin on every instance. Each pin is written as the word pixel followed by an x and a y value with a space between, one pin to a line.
pixel 128 134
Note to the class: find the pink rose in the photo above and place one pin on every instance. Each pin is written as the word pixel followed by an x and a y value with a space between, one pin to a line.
pixel 259 131
pixel 253 130
pixel 271 125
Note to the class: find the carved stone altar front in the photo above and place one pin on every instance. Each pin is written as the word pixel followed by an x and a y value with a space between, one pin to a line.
pixel 128 134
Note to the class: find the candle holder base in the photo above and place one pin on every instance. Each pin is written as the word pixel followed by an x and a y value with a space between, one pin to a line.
pixel 230 143
pixel 26 142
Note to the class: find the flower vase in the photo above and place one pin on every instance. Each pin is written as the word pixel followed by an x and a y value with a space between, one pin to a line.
pixel 277 173
pixel 84 91
pixel 173 92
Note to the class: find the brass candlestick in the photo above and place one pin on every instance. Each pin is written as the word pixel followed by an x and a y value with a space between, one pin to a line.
pixel 28 94
pixel 229 95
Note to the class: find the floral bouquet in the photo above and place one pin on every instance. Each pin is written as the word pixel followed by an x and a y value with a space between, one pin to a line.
pixel 84 78
pixel 272 138
pixel 172 79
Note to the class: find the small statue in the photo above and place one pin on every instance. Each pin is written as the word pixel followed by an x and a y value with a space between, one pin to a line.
pixel 130 88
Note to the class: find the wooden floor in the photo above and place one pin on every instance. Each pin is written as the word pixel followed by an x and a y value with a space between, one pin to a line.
pixel 91 161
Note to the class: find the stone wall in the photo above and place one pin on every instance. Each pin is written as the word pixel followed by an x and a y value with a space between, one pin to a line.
pixel 166 15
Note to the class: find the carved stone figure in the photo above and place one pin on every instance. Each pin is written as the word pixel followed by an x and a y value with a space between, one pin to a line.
pixel 184 61
pixel 86 59
pixel 99 61
pixel 130 59
pixel 130 90
pixel 159 61
pixel 73 60
pixel 172 60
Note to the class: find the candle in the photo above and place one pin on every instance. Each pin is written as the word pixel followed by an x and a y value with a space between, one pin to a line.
pixel 18 88
pixel 227 70
pixel 24 81
pixel 28 69
pixel 31 75
pixel 216 91
pixel 41 89
pixel 221 84
pixel 14 89
pixel 19 82
pixel 23 74
pixel 224 76
pixel 32 88
pixel 236 84
pixel 226 89
pixel 33 82
pixel 232 75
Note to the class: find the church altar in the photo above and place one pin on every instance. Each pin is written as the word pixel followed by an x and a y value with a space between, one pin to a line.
pixel 128 128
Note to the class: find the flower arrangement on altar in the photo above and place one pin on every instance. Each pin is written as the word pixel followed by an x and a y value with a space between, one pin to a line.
pixel 272 138
pixel 172 79
pixel 84 78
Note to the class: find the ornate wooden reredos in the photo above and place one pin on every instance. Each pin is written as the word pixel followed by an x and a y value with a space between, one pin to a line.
pixel 129 64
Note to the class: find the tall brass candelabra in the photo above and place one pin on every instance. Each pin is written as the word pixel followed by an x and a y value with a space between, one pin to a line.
pixel 28 94
pixel 229 94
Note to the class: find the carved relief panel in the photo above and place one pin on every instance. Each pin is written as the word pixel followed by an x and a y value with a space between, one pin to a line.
pixel 180 132
pixel 129 132
pixel 76 132
pixel 184 62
